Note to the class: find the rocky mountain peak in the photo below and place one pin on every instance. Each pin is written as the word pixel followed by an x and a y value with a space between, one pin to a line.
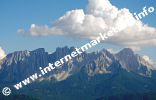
pixel 133 62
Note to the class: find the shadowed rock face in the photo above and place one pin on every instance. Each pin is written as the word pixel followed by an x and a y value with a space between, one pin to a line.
pixel 18 65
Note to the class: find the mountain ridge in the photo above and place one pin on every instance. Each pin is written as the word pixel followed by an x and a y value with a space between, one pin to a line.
pixel 89 75
pixel 100 61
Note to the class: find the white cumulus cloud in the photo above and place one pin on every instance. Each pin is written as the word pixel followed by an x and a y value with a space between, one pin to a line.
pixel 2 53
pixel 100 16
pixel 150 61
pixel 111 50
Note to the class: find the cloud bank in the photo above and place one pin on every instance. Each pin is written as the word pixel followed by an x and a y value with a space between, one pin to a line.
pixel 150 62
pixel 99 16
pixel 2 53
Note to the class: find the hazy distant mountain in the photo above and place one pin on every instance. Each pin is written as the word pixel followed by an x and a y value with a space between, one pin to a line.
pixel 90 76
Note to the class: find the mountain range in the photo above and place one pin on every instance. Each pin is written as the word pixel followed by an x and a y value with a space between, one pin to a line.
pixel 100 75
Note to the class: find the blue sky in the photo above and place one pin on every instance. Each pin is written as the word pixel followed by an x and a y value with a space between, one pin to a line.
pixel 17 14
